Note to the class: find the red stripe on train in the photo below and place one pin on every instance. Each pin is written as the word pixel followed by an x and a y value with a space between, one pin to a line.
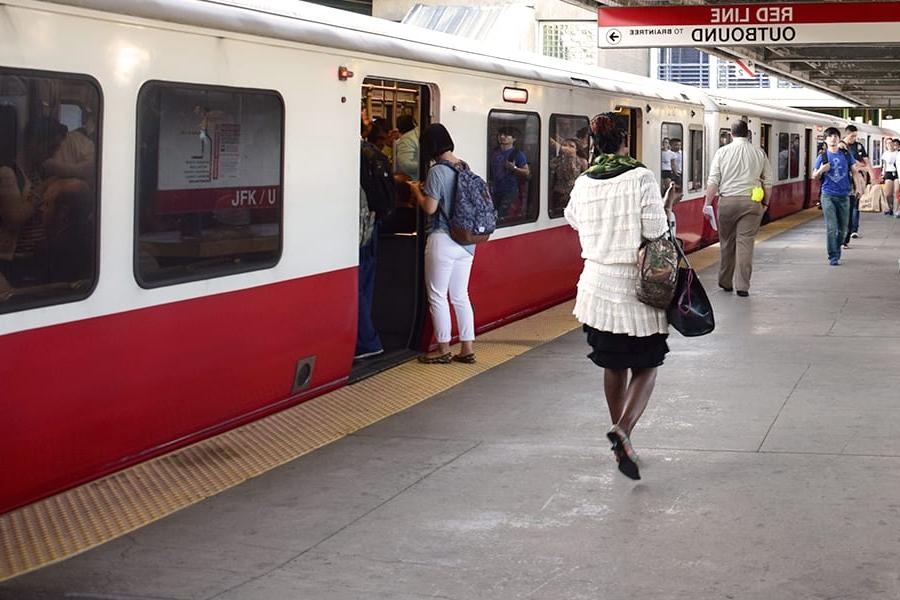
pixel 94 396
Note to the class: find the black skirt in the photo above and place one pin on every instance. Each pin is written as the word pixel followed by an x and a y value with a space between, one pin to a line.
pixel 622 351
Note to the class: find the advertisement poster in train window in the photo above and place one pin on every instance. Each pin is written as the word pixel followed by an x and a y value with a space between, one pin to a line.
pixel 218 150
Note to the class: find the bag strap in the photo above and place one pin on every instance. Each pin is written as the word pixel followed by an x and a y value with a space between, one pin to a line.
pixel 678 249
pixel 449 165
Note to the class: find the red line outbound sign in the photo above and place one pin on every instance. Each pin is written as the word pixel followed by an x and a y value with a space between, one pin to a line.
pixel 749 25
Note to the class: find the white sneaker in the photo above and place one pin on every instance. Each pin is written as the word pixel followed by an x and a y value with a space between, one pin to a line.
pixel 854 235
pixel 368 354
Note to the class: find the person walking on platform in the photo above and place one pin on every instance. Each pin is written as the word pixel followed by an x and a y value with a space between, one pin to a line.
pixel 858 180
pixel 834 164
pixel 614 205
pixel 737 169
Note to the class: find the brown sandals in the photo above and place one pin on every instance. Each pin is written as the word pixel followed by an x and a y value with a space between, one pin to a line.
pixel 468 359
pixel 446 359
pixel 440 359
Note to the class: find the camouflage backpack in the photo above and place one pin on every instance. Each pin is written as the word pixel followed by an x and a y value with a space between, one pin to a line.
pixel 657 271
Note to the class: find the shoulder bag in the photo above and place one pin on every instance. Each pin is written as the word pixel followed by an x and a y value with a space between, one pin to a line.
pixel 690 312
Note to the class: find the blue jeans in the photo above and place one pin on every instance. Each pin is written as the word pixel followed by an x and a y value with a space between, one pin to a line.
pixel 367 339
pixel 837 213
pixel 853 227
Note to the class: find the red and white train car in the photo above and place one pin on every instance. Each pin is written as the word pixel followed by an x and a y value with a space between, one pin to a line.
pixel 183 254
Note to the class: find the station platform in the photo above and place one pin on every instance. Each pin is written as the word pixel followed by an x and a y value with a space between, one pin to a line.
pixel 771 470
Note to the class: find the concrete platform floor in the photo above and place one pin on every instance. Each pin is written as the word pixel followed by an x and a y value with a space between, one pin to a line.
pixel 771 471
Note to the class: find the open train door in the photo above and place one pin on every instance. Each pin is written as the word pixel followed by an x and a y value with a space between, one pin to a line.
pixel 630 117
pixel 398 303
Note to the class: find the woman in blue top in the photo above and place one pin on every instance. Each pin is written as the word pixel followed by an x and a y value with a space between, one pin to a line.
pixel 834 165
pixel 447 264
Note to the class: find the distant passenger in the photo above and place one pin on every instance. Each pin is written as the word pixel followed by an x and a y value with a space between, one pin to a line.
pixel 667 164
pixel 564 170
pixel 859 179
pixel 406 150
pixel 835 166
pixel 447 264
pixel 889 170
pixel 583 136
pixel 614 205
pixel 737 168
pixel 677 162
pixel 509 174
pixel 725 138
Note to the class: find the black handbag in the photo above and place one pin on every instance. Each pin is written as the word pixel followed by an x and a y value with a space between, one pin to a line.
pixel 690 312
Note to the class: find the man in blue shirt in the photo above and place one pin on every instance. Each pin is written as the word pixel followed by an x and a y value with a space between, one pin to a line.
pixel 834 165
pixel 509 166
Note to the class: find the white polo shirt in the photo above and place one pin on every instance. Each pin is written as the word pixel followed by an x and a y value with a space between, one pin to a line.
pixel 739 167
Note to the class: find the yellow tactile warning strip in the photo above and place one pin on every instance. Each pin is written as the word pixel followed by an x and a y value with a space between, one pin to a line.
pixel 82 518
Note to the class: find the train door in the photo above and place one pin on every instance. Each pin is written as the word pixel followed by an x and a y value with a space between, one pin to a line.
pixel 396 110
pixel 807 181
pixel 631 115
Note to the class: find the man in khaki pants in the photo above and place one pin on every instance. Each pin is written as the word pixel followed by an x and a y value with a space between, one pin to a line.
pixel 736 169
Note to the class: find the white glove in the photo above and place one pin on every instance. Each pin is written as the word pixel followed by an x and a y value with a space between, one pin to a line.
pixel 710 214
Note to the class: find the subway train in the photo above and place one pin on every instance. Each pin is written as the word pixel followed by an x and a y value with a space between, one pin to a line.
pixel 179 225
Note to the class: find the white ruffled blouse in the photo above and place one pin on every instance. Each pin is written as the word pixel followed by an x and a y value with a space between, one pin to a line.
pixel 611 217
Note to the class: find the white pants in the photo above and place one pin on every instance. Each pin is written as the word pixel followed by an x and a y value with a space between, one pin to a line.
pixel 447 268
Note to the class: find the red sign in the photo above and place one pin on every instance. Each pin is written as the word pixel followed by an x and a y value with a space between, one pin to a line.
pixel 749 24
pixel 754 14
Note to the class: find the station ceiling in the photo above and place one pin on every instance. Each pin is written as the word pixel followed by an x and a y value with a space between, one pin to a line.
pixel 866 75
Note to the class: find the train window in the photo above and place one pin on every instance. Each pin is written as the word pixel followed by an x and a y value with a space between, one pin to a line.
pixel 49 201
pixel 209 182
pixel 783 155
pixel 724 137
pixel 514 151
pixel 766 132
pixel 876 152
pixel 569 148
pixel 671 155
pixel 795 155
pixel 695 172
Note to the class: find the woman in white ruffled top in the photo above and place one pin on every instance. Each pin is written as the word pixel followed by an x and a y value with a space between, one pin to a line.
pixel 615 205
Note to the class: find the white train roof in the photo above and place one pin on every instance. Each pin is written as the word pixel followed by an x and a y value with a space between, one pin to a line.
pixel 302 22
pixel 780 113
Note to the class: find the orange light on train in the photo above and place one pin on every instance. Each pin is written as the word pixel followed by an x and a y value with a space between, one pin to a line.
pixel 344 73
pixel 517 95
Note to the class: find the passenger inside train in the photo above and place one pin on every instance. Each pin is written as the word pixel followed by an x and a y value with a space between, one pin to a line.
pixel 47 190
pixel 509 175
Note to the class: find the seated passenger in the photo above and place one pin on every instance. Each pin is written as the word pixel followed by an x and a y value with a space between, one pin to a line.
pixel 63 208
pixel 16 201
pixel 76 155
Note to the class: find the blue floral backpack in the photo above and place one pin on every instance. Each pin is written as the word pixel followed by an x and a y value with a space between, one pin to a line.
pixel 474 217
